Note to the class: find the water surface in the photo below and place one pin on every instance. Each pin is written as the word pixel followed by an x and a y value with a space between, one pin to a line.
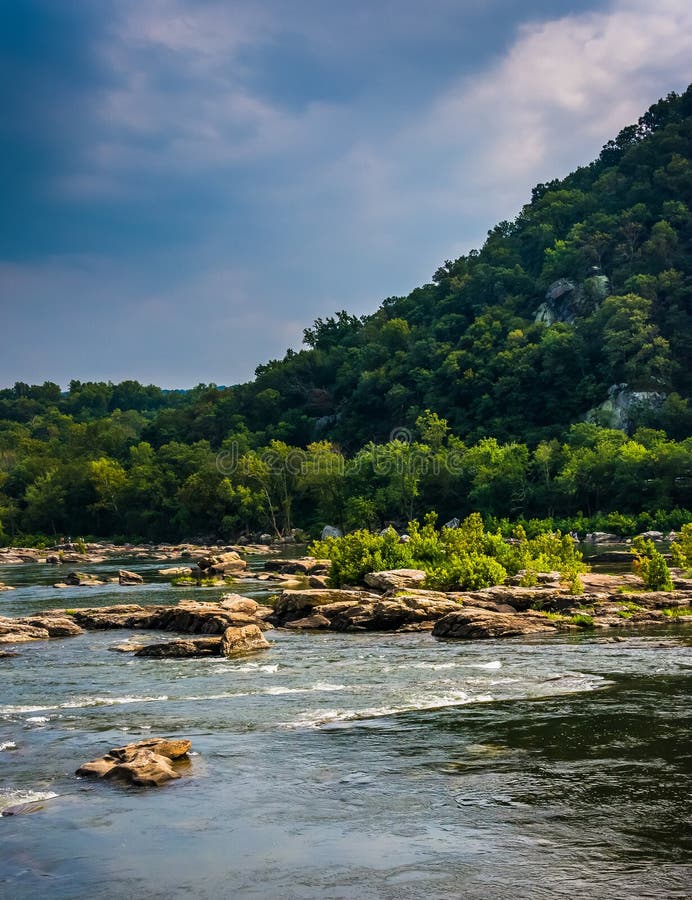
pixel 355 766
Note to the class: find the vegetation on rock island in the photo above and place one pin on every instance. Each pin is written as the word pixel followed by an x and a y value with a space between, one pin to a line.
pixel 467 557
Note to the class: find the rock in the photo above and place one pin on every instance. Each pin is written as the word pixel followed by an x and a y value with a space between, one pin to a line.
pixel 7 654
pixel 519 598
pixel 453 523
pixel 652 535
pixel 55 625
pixel 292 604
pixel 318 581
pixel 13 631
pixel 222 563
pixel 565 299
pixel 246 639
pixel 388 614
pixel 236 603
pixel 127 647
pixel 306 565
pixel 147 763
pixel 265 538
pixel 80 579
pixel 128 578
pixel 53 560
pixel 395 579
pixel 183 649
pixel 313 622
pixel 602 537
pixel 330 531
pixel 471 622
pixel 176 571
pixel 5 587
pixel 612 556
pixel 621 405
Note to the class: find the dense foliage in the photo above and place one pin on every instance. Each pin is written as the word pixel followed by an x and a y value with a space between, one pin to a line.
pixel 466 557
pixel 487 400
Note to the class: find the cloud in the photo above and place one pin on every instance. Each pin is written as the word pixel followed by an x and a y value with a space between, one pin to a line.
pixel 550 102
pixel 214 175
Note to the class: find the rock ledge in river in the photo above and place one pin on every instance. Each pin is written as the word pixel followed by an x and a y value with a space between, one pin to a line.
pixel 147 763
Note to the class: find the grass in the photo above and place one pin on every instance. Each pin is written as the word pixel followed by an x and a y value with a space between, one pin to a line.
pixel 581 620
pixel 675 611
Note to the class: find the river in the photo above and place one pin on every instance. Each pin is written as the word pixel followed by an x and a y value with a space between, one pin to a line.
pixel 347 766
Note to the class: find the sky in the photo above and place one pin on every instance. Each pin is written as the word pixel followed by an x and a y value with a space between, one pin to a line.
pixel 187 184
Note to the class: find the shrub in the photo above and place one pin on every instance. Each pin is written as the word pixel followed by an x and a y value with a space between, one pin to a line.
pixel 650 565
pixel 681 550
pixel 468 557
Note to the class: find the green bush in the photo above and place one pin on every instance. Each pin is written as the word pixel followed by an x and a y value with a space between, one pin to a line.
pixel 467 558
pixel 650 565
pixel 681 549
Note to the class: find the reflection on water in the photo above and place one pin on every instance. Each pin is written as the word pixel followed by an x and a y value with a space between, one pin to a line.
pixel 363 766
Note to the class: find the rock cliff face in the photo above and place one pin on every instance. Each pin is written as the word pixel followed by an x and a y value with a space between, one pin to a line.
pixel 617 410
pixel 565 299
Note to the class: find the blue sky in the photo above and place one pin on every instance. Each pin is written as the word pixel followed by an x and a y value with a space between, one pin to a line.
pixel 187 184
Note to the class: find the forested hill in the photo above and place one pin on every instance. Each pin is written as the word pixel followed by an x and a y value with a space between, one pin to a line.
pixel 579 309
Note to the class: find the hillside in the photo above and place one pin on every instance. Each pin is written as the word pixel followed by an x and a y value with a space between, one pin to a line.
pixel 579 310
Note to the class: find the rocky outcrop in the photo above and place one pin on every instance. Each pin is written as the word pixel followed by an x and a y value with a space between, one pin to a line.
pixel 55 624
pixel 566 299
pixel 79 579
pixel 352 610
pixel 188 617
pixel 471 622
pixel 246 639
pixel 222 563
pixel 305 565
pixel 148 763
pixel 622 403
pixel 395 579
pixel 129 578
pixel 292 604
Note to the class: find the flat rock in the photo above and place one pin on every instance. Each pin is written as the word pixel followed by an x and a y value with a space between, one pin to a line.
pixel 55 625
pixel 176 571
pixel 471 622
pixel 13 631
pixel 395 579
pixel 182 649
pixel 310 623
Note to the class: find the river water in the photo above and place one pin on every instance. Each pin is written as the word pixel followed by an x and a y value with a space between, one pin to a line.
pixel 347 766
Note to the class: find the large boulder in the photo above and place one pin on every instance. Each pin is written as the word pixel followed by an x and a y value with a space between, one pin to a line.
pixel 241 640
pixel 331 531
pixel 395 579
pixel 292 604
pixel 222 563
pixel 471 622
pixel 147 763
pixel 129 578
